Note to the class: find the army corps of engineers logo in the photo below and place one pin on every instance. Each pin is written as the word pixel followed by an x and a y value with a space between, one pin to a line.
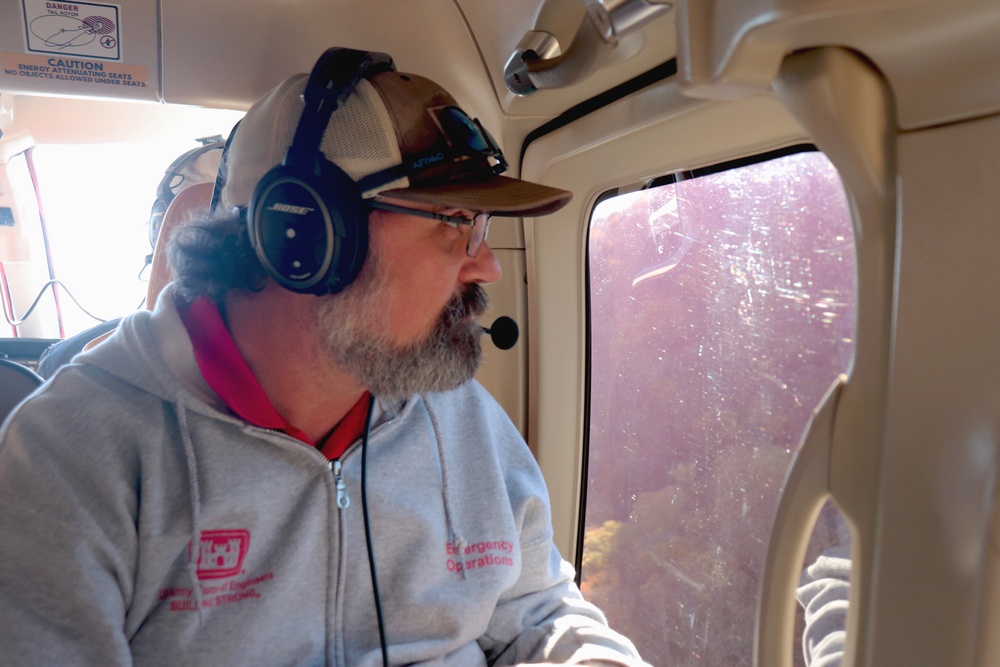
pixel 221 553
pixel 219 556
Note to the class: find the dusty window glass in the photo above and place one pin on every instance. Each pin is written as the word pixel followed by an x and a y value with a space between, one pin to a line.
pixel 721 309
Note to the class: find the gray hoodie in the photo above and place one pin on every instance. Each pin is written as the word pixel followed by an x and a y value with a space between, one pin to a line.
pixel 141 523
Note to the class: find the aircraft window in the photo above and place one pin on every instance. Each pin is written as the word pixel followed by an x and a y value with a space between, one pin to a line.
pixel 96 201
pixel 721 309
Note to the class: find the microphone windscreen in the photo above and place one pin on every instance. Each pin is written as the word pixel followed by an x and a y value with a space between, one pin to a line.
pixel 504 332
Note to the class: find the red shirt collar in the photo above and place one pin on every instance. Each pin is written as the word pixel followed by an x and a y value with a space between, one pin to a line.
pixel 227 373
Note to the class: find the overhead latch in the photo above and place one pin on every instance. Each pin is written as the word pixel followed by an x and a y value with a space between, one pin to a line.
pixel 538 61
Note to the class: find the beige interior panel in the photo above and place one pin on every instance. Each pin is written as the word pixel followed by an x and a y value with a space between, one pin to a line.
pixel 503 371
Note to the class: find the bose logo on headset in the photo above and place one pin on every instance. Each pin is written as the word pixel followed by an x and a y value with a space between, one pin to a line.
pixel 306 218
pixel 289 208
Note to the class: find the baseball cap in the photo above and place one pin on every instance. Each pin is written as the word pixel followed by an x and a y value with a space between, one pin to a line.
pixel 397 135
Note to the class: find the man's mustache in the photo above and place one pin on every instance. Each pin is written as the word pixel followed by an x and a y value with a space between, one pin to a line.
pixel 471 302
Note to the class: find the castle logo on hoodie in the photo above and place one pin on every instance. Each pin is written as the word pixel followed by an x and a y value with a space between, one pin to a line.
pixel 221 553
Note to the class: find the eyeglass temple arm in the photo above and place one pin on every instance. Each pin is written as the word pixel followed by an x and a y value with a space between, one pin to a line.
pixel 458 220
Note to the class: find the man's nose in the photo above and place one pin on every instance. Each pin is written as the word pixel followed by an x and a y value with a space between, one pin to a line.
pixel 483 268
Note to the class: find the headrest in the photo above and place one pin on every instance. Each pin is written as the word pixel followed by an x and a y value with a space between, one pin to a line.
pixel 198 165
pixel 189 202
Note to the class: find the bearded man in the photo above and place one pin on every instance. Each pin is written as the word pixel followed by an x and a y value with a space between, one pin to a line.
pixel 288 461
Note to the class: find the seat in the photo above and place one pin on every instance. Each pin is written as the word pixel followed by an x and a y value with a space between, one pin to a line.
pixel 16 382
pixel 59 354
pixel 191 200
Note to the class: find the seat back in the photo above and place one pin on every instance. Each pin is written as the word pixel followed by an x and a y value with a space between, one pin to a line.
pixel 189 202
pixel 16 382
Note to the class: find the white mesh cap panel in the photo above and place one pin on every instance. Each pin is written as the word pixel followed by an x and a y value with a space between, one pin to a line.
pixel 360 138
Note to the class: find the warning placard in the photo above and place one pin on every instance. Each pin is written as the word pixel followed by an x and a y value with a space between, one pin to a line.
pixel 94 74
pixel 73 28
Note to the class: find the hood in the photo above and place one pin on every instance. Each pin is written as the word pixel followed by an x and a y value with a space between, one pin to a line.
pixel 151 350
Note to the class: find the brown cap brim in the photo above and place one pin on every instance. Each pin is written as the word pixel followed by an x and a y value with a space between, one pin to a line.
pixel 498 195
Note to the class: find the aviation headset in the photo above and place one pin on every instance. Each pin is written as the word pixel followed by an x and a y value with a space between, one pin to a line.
pixel 174 176
pixel 306 217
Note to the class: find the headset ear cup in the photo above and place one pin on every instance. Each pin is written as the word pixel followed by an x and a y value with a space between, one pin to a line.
pixel 307 221
pixel 341 193
pixel 310 231
pixel 156 220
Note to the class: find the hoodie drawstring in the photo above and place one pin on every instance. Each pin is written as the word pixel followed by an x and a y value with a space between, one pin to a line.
pixel 195 497
pixel 457 540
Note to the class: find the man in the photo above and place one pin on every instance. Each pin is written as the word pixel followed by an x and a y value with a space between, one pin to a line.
pixel 288 463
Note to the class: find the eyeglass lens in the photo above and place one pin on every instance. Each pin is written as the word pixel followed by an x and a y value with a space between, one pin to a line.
pixel 477 234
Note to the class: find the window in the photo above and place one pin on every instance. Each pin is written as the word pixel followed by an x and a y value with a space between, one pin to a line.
pixel 721 309
pixel 97 201
pixel 96 192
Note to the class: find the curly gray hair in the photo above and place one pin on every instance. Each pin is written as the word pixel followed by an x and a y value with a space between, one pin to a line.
pixel 211 256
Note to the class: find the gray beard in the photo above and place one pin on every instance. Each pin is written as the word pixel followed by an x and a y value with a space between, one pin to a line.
pixel 356 338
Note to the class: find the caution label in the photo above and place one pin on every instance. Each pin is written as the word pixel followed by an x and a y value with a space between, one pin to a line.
pixel 73 28
pixel 94 74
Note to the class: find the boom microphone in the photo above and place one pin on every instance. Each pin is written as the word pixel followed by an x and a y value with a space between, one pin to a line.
pixel 503 332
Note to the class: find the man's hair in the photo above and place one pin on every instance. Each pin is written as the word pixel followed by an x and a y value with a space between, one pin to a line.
pixel 212 256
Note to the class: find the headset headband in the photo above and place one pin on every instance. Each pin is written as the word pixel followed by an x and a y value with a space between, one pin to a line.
pixel 331 82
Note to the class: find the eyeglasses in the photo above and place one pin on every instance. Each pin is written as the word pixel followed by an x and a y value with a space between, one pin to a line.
pixel 479 225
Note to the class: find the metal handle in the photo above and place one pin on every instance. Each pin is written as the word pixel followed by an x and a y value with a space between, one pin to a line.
pixel 538 61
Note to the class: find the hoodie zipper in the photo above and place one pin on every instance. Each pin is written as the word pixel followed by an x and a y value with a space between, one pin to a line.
pixel 335 466
pixel 343 500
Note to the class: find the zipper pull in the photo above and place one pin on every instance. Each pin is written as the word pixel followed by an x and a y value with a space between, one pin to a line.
pixel 343 500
